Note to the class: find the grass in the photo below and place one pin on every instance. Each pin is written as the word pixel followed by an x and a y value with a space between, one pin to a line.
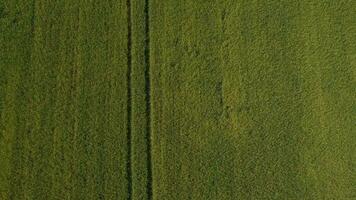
pixel 64 101
pixel 177 99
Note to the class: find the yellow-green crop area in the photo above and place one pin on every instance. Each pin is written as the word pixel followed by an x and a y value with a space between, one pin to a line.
pixel 177 100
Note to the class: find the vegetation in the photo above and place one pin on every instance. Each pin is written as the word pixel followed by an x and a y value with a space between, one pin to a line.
pixel 123 99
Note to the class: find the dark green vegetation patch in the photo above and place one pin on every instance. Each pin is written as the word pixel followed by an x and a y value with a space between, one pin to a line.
pixel 177 99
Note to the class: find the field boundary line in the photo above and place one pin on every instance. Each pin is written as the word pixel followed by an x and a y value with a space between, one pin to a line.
pixel 148 99
pixel 129 100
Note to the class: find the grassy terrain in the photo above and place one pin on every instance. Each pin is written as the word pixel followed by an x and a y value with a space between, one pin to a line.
pixel 165 100
pixel 253 99
pixel 63 100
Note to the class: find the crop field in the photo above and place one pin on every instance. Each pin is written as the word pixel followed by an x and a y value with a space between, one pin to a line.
pixel 177 100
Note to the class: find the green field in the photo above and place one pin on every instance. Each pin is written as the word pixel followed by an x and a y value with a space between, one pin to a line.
pixel 177 99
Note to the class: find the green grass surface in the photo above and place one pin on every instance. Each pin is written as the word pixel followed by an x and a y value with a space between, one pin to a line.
pixel 177 99
pixel 64 100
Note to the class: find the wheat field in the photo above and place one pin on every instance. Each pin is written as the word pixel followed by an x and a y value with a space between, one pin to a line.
pixel 177 99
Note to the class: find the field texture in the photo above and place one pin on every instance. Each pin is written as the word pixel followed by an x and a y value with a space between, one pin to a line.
pixel 177 100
